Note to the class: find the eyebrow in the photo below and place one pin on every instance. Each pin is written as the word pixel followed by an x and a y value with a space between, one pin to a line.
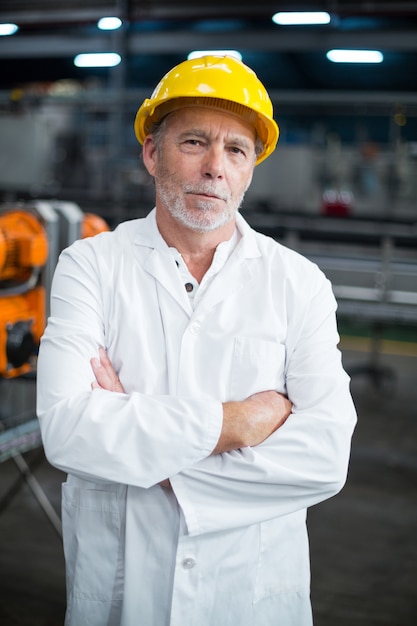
pixel 235 140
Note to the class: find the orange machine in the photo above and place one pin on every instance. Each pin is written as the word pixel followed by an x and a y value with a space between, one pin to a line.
pixel 92 224
pixel 24 250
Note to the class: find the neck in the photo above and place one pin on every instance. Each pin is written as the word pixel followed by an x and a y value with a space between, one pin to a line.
pixel 196 248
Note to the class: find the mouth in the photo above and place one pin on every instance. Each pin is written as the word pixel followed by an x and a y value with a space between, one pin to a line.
pixel 208 196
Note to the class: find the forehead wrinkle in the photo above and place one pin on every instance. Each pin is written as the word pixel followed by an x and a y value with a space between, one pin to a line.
pixel 201 120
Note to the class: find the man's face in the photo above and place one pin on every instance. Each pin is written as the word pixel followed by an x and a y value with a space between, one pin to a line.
pixel 203 167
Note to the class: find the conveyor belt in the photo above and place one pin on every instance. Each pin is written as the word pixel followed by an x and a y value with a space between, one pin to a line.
pixel 372 264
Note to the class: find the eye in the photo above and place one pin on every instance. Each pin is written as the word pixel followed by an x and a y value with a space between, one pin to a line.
pixel 237 150
pixel 191 144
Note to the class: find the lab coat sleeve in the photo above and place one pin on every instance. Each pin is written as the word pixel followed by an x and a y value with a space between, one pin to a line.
pixel 303 462
pixel 134 438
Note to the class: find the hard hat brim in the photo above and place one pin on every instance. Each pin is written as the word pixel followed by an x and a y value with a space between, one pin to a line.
pixel 151 114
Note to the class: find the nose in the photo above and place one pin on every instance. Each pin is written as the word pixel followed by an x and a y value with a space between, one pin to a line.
pixel 213 164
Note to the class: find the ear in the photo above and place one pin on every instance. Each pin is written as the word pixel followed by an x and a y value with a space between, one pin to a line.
pixel 149 154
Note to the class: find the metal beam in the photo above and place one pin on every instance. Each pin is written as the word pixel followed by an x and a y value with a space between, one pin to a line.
pixel 353 102
pixel 74 11
pixel 46 16
pixel 183 41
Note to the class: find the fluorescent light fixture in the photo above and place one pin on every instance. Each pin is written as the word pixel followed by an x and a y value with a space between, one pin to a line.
pixel 109 23
pixel 97 59
pixel 196 54
pixel 301 18
pixel 355 56
pixel 8 29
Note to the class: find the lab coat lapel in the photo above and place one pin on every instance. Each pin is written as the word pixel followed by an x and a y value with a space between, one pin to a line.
pixel 163 268
pixel 238 272
pixel 159 263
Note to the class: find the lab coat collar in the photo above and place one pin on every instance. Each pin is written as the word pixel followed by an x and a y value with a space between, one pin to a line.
pixel 234 275
pixel 149 236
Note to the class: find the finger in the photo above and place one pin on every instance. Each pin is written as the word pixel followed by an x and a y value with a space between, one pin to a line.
pixel 105 361
pixel 98 370
pixel 103 377
pixel 95 364
pixel 105 374
pixel 109 370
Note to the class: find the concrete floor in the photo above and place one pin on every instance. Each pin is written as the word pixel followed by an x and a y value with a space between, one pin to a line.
pixel 363 541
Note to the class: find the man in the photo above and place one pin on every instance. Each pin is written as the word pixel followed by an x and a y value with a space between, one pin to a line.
pixel 219 410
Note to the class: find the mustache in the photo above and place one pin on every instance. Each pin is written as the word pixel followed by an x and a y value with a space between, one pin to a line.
pixel 207 189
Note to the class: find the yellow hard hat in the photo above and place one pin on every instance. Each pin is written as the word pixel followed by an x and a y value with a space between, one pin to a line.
pixel 222 82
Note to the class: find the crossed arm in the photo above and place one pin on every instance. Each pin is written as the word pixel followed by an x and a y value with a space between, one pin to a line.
pixel 245 423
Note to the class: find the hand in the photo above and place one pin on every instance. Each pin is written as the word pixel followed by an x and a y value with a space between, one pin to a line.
pixel 106 377
pixel 251 421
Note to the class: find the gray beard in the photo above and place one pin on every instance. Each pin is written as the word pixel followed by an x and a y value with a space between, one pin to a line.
pixel 202 220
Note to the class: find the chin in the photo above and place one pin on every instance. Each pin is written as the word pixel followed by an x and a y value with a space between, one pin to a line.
pixel 208 225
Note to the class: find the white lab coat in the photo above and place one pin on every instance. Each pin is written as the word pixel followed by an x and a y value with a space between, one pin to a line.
pixel 228 545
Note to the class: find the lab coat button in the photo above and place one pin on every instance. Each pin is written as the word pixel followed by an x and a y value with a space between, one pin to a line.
pixel 188 563
pixel 195 328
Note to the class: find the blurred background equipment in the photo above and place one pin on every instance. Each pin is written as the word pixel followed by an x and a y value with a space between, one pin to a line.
pixel 31 238
pixel 23 253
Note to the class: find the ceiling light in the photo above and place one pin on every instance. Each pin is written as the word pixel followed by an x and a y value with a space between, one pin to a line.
pixel 196 54
pixel 8 29
pixel 99 59
pixel 355 56
pixel 109 23
pixel 301 18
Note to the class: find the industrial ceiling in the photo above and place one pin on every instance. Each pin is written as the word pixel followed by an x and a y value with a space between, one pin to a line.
pixel 159 33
